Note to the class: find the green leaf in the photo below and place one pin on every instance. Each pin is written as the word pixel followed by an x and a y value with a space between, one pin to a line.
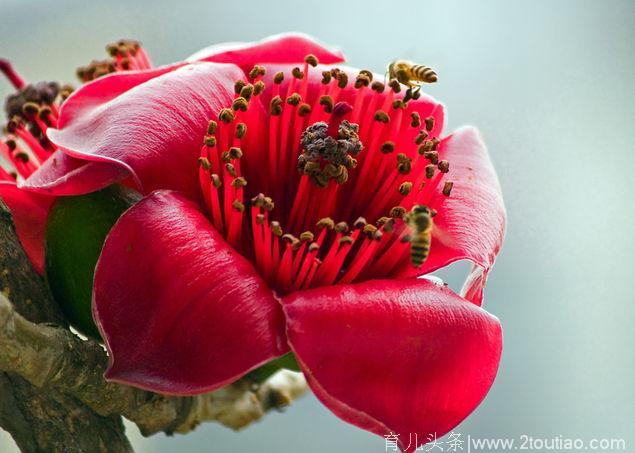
pixel 76 230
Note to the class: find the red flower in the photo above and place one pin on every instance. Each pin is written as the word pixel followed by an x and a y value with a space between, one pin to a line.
pixel 197 284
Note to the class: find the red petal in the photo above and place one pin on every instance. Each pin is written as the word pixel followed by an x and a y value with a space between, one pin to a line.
pixel 282 48
pixel 153 130
pixel 181 312
pixel 470 223
pixel 29 212
pixel 395 356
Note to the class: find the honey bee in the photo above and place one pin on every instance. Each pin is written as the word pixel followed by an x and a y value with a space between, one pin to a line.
pixel 419 219
pixel 411 74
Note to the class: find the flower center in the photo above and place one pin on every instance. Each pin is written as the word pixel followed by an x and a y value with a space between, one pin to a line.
pixel 31 110
pixel 351 173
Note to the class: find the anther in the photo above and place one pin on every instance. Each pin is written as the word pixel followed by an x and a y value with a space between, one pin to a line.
pixel 238 205
pixel 447 188
pixel 395 85
pixel 405 188
pixel 327 102
pixel 346 240
pixel 326 222
pixel 215 180
pixel 241 130
pixel 381 116
pixel 421 136
pixel 362 80
pixel 387 147
pixel 367 73
pixel 276 229
pixel 397 212
pixel 386 223
pixel 239 182
pixel 429 123
pixel 256 71
pixel 246 91
pixel 235 153
pixel 326 77
pixel 430 171
pixel 341 227
pixel 415 119
pixel 231 170
pixel 260 219
pixel 304 109
pixel 297 73
pixel 404 164
pixel 238 86
pixel 294 99
pixel 306 236
pixel 398 104
pixel 275 106
pixel 444 166
pixel 314 247
pixel 226 115
pixel 204 163
pixel 342 79
pixel 278 77
pixel 209 140
pixel 211 127
pixel 378 87
pixel 370 230
pixel 240 103
pixel 432 156
pixel 30 108
pixel 311 60
pixel 259 87
pixel 360 222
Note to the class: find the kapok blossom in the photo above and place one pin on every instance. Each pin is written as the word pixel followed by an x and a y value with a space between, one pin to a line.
pixel 285 231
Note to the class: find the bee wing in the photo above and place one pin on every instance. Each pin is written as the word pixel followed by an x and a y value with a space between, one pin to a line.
pixel 441 235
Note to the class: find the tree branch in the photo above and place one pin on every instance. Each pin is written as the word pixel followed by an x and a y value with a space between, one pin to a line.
pixel 49 365
pixel 55 358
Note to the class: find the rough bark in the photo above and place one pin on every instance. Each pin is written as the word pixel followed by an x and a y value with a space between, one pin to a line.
pixel 53 396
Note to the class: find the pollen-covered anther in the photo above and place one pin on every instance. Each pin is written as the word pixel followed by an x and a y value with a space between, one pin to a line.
pixel 246 91
pixel 327 102
pixel 304 109
pixel 241 130
pixel 239 85
pixel 430 171
pixel 297 73
pixel 259 87
pixel 256 71
pixel 216 182
pixel 447 188
pixel 306 236
pixel 294 99
pixel 341 227
pixel 260 219
pixel 209 140
pixel 362 80
pixel 240 103
pixel 432 156
pixel 275 106
pixel 397 212
pixel 381 116
pixel 404 164
pixel 326 77
pixel 326 222
pixel 276 229
pixel 239 182
pixel 421 137
pixel 205 163
pixel 394 85
pixel 231 170
pixel 415 119
pixel 238 206
pixel 377 86
pixel 342 79
pixel 311 60
pixel 278 77
pixel 360 223
pixel 405 188
pixel 444 166
pixel 429 122
pixel 226 115
pixel 387 147
pixel 398 104
pixel 387 224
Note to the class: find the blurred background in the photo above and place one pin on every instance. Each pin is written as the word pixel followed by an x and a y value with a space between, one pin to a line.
pixel 550 85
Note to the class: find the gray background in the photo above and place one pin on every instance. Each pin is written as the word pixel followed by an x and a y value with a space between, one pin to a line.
pixel 550 85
